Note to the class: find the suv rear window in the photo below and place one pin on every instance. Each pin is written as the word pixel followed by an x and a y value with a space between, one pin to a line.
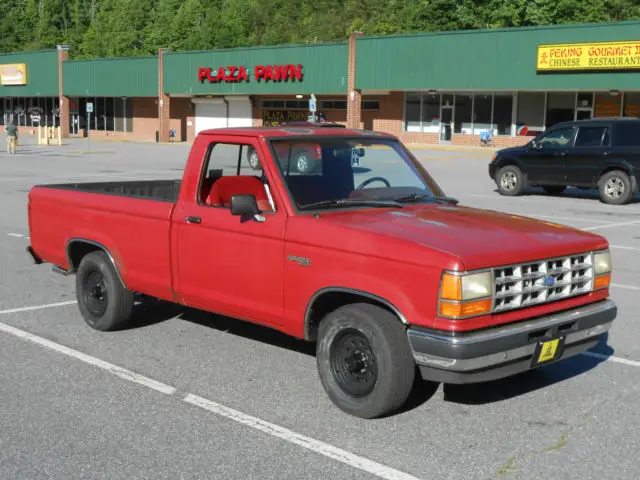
pixel 627 134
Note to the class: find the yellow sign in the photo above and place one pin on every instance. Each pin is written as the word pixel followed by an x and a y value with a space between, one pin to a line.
pixel 13 74
pixel 589 56
pixel 548 351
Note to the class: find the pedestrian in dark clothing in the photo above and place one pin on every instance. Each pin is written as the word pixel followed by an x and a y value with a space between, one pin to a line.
pixel 12 137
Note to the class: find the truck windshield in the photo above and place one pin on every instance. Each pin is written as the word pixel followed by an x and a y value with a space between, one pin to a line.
pixel 344 172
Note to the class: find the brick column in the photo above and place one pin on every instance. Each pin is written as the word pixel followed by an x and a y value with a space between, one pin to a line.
pixel 164 101
pixel 354 97
pixel 63 55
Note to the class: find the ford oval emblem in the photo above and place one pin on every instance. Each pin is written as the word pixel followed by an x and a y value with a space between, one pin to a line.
pixel 549 281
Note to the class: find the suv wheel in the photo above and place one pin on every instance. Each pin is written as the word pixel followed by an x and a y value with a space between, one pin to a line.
pixel 303 162
pixel 252 158
pixel 554 189
pixel 364 360
pixel 104 303
pixel 510 181
pixel 615 188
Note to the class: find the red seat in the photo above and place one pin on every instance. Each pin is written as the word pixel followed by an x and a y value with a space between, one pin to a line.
pixel 225 187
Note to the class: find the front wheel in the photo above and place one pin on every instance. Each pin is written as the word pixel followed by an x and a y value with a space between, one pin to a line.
pixel 364 360
pixel 104 303
pixel 510 181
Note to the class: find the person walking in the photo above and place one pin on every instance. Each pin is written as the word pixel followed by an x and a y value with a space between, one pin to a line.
pixel 12 137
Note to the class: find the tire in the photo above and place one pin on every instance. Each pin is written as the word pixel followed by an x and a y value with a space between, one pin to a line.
pixel 253 159
pixel 384 347
pixel 303 162
pixel 105 304
pixel 554 189
pixel 615 188
pixel 510 181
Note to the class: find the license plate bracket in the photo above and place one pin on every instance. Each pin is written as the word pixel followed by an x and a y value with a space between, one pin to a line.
pixel 548 351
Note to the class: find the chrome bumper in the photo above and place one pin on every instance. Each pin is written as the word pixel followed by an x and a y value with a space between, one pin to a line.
pixel 506 350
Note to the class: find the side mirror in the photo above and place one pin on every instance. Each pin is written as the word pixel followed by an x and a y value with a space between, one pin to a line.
pixel 244 206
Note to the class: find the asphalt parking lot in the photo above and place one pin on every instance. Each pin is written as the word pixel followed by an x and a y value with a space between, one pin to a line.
pixel 185 394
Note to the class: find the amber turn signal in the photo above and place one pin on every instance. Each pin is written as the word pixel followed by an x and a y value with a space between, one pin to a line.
pixel 459 310
pixel 451 287
pixel 601 282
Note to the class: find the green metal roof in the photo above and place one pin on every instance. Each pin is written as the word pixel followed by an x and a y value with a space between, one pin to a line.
pixel 42 74
pixel 503 59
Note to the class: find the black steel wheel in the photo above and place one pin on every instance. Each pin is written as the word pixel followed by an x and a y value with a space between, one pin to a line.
pixel 364 360
pixel 104 302
pixel 353 363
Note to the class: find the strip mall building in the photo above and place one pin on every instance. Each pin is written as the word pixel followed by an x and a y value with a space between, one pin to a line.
pixel 425 88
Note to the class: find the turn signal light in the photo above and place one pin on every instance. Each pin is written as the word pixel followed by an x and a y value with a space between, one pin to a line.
pixel 603 281
pixel 459 310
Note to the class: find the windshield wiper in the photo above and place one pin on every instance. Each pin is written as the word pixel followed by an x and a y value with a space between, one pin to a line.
pixel 422 196
pixel 352 202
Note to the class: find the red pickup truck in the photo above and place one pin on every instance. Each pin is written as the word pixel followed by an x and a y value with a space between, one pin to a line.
pixel 365 256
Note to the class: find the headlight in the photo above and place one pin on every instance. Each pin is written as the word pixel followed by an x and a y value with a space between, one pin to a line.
pixel 602 262
pixel 602 270
pixel 467 295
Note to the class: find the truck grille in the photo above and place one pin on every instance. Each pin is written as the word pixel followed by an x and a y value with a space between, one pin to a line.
pixel 543 281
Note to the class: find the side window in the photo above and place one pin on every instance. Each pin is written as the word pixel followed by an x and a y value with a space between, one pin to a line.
pixel 627 134
pixel 592 136
pixel 234 169
pixel 560 138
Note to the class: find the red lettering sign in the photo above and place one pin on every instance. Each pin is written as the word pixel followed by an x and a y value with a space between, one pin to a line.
pixel 275 73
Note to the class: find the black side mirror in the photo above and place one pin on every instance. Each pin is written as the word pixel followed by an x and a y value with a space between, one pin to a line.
pixel 245 206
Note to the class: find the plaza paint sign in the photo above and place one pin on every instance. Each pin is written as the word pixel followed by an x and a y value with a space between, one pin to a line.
pixel 13 74
pixel 606 56
pixel 235 74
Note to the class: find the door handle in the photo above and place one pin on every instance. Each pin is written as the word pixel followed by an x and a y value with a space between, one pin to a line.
pixel 193 219
pixel 604 154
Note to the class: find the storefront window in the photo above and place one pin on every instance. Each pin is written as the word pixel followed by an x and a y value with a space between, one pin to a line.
pixel 462 113
pixel 482 105
pixel 560 107
pixel 531 111
pixel 412 112
pixel 631 105
pixel 109 114
pixel 431 113
pixel 502 113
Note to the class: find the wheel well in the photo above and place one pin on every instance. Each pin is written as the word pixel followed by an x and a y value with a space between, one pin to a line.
pixel 613 168
pixel 77 251
pixel 332 300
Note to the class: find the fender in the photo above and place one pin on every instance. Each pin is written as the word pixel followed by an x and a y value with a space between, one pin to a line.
pixel 73 268
pixel 622 164
pixel 370 296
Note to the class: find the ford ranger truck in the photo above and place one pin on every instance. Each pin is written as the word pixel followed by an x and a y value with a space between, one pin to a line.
pixel 365 256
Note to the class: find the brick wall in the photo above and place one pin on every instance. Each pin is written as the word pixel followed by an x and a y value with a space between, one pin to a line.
pixel 182 112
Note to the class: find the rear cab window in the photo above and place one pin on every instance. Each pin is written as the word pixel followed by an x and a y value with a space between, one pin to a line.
pixel 593 136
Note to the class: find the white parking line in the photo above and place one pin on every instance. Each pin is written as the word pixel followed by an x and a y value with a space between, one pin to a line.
pixel 272 429
pixel 625 287
pixel 611 225
pixel 601 356
pixel 37 307
pixel 17 235
pixel 623 247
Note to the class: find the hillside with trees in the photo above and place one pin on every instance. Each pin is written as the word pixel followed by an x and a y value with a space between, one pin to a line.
pixel 109 28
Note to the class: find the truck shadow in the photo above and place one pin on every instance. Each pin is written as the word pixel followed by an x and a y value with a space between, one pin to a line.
pixel 151 311
pixel 530 381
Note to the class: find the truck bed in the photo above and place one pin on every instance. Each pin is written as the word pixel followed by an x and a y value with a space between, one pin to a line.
pixel 161 190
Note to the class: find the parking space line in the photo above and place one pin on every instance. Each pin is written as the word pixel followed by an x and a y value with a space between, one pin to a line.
pixel 37 307
pixel 623 247
pixel 611 225
pixel 626 287
pixel 601 356
pixel 316 446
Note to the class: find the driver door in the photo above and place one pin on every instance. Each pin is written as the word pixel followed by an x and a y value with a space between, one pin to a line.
pixel 224 264
pixel 546 162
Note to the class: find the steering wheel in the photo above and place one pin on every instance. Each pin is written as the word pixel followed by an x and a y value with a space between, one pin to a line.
pixel 373 179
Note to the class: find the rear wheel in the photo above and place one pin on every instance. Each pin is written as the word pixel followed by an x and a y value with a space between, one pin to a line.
pixel 364 360
pixel 554 189
pixel 615 188
pixel 303 162
pixel 510 181
pixel 252 159
pixel 105 304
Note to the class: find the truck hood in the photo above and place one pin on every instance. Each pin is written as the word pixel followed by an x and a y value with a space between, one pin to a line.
pixel 478 238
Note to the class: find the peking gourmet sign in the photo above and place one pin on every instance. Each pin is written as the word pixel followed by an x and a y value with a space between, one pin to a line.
pixel 238 74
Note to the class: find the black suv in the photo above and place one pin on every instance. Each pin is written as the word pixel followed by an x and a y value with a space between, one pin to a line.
pixel 601 153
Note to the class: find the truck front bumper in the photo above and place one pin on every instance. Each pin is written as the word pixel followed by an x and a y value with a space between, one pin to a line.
pixel 502 351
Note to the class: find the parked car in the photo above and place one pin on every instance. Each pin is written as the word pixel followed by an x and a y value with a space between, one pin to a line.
pixel 385 273
pixel 602 153
pixel 306 156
